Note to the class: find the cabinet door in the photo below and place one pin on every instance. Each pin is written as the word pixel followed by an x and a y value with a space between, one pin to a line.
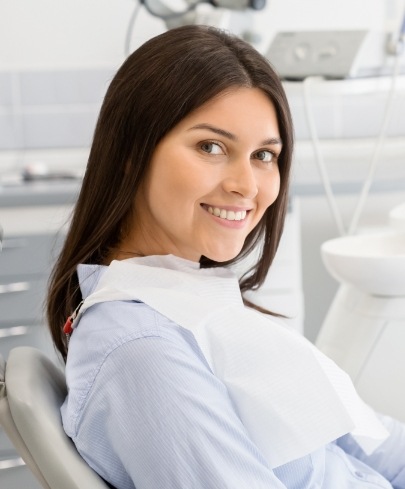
pixel 25 264
pixel 29 255
pixel 22 300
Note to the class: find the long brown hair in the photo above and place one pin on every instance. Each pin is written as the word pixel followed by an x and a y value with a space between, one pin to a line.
pixel 157 86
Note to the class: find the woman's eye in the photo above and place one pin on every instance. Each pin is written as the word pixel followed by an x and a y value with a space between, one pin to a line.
pixel 265 155
pixel 211 148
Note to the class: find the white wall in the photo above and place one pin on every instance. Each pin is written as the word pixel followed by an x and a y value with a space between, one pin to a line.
pixel 53 34
pixel 60 34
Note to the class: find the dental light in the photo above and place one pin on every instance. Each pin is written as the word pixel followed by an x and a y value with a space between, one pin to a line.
pixel 175 13
pixel 168 9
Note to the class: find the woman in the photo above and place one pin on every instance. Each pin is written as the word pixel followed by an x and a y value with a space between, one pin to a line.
pixel 188 171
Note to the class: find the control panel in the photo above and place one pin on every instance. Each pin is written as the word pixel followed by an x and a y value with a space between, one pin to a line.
pixel 296 55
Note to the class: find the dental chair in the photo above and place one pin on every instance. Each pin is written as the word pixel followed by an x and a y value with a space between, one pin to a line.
pixel 32 390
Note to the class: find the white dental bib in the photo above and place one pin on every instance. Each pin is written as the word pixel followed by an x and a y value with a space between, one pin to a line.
pixel 290 397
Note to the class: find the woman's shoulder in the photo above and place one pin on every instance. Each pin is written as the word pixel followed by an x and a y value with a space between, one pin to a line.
pixel 111 329
pixel 112 321
pixel 108 325
pixel 119 336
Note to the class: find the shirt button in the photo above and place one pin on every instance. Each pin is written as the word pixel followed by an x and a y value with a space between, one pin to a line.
pixel 360 475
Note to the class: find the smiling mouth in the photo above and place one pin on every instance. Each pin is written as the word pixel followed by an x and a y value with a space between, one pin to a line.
pixel 225 214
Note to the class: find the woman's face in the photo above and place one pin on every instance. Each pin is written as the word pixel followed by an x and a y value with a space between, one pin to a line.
pixel 210 180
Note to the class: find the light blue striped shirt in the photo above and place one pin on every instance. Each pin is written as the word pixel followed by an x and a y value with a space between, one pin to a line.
pixel 146 412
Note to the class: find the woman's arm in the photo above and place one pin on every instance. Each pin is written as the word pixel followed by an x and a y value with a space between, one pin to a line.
pixel 389 458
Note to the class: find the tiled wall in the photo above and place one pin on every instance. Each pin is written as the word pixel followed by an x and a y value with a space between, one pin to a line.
pixel 58 109
pixel 50 109
pixel 348 109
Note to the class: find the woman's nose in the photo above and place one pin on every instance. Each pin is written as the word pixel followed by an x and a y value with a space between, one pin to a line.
pixel 241 178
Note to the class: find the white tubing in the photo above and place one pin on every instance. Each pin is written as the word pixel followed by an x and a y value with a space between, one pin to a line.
pixel 319 158
pixel 377 150
pixel 130 28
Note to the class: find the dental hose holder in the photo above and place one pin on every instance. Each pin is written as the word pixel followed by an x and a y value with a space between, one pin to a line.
pixel 364 329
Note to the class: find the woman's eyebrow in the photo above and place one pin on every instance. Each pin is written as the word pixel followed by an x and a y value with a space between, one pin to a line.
pixel 216 130
pixel 229 135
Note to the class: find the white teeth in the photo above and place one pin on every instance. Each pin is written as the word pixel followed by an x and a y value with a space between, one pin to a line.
pixel 229 215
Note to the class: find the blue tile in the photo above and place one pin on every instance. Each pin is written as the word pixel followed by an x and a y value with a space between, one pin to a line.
pixel 10 135
pixel 64 87
pixel 6 95
pixel 59 130
pixel 362 115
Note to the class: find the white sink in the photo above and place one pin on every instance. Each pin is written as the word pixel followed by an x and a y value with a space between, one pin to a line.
pixel 372 263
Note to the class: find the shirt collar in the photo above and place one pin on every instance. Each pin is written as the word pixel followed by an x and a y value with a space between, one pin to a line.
pixel 89 275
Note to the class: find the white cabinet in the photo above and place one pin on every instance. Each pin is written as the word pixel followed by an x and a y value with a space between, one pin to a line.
pixel 32 239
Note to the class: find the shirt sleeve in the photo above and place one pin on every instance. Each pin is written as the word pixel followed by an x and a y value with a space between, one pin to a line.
pixel 162 419
pixel 389 458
